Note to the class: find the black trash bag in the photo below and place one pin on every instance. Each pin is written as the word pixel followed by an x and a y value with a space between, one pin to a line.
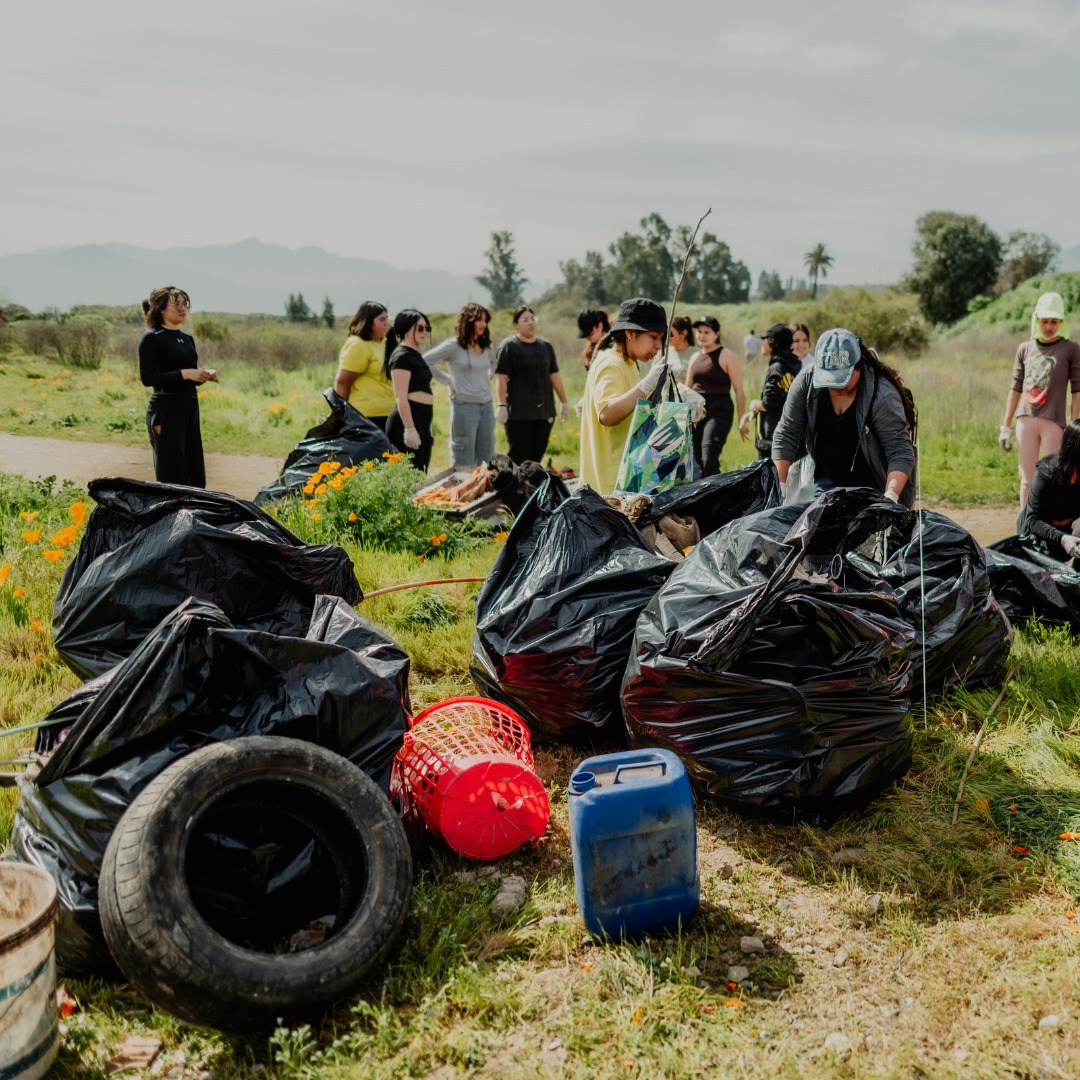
pixel 1029 584
pixel 346 435
pixel 515 484
pixel 149 546
pixel 198 679
pixel 555 618
pixel 784 691
pixel 716 500
pixel 967 635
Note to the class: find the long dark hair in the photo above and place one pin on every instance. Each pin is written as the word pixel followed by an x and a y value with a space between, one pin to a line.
pixel 613 339
pixel 366 314
pixel 465 326
pixel 1068 457
pixel 869 358
pixel 155 304
pixel 404 321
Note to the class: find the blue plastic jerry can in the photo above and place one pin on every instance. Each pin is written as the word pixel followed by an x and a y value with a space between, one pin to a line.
pixel 634 839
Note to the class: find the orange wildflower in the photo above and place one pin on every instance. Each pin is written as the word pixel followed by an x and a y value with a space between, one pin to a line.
pixel 326 468
pixel 28 515
pixel 1069 836
pixel 1020 850
pixel 309 488
pixel 316 517
pixel 637 1015
pixel 982 805
pixel 352 517
pixel 53 554
pixel 20 591
pixel 734 1003
pixel 369 464
pixel 77 510
pixel 4 571
pixel 32 537
pixel 1013 808
pixel 321 489
pixel 419 558
pixel 64 536
pixel 36 626
pixel 501 535
pixel 309 503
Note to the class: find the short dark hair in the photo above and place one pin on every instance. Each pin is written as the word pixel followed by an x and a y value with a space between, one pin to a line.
pixel 590 318
pixel 1068 460
pixel 366 314
pixel 519 311
pixel 155 304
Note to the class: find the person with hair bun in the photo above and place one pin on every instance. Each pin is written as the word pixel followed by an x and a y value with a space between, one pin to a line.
pixel 471 363
pixel 169 364
pixel 363 377
pixel 593 324
pixel 526 374
pixel 409 424
pixel 1052 515
pixel 714 372
pixel 783 367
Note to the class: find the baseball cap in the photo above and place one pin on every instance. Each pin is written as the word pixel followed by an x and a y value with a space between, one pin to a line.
pixel 780 336
pixel 838 351
pixel 711 321
pixel 641 314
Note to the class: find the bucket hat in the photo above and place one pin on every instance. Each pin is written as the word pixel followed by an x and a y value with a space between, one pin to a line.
pixel 838 351
pixel 641 314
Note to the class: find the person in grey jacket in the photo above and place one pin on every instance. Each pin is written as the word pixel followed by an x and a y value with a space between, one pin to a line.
pixel 855 418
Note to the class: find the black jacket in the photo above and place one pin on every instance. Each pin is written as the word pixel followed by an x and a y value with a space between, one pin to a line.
pixel 1053 505
pixel 783 368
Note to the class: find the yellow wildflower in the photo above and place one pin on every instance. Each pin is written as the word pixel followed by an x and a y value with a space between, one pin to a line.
pixel 28 515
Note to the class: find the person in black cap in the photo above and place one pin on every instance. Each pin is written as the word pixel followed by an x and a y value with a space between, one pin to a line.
pixel 714 373
pixel 592 325
pixel 784 365
pixel 614 387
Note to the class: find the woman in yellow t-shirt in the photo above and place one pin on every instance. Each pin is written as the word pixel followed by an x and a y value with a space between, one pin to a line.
pixel 613 388
pixel 362 378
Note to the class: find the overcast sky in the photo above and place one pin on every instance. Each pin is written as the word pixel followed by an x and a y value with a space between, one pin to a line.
pixel 408 130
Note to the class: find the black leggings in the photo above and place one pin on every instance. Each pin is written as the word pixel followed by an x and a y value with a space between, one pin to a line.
pixel 711 433
pixel 528 439
pixel 172 422
pixel 395 432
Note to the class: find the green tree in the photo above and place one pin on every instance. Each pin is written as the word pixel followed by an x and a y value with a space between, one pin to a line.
pixel 503 278
pixel 642 264
pixel 817 261
pixel 328 313
pixel 296 309
pixel 588 280
pixel 1026 255
pixel 957 256
pixel 769 286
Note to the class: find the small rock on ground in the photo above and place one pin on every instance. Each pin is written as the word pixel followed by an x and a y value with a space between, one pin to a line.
pixel 841 958
pixel 849 856
pixel 511 895
pixel 736 973
pixel 1050 1023
pixel 838 1043
pixel 727 832
pixel 752 945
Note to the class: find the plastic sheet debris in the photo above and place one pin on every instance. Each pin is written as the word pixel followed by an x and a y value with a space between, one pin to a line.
pixel 147 547
pixel 345 436
pixel 199 679
pixel 783 690
pixel 1029 584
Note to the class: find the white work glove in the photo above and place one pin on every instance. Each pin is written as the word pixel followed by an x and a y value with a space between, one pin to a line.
pixel 502 414
pixel 1075 527
pixel 581 405
pixel 452 385
pixel 756 406
pixel 1071 544
pixel 412 438
pixel 892 497
pixel 1005 437
pixel 648 384
pixel 564 411
pixel 695 401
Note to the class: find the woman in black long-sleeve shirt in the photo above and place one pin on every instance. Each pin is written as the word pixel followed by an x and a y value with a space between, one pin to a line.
pixel 1053 506
pixel 169 363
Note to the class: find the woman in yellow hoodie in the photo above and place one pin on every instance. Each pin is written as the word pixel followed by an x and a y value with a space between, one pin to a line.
pixel 362 378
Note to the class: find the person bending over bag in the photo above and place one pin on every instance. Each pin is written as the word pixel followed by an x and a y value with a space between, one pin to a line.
pixel 856 418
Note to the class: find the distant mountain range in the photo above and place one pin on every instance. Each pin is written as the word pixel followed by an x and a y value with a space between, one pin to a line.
pixel 1068 260
pixel 246 277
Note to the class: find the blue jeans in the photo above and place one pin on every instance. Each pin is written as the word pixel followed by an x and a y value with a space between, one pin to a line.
pixel 472 433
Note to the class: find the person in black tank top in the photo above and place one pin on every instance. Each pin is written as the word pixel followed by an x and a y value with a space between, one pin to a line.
pixel 714 373
pixel 409 425
pixel 169 363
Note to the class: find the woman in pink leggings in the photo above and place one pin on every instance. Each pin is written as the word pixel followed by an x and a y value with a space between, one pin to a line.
pixel 1045 367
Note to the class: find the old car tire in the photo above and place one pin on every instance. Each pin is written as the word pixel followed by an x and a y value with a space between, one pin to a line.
pixel 231 851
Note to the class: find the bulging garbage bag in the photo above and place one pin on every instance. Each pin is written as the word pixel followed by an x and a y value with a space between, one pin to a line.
pixel 783 690
pixel 196 680
pixel 345 435
pixel 938 573
pixel 147 547
pixel 555 618
pixel 1029 584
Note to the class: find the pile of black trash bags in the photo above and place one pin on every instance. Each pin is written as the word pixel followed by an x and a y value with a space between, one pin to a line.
pixel 778 656
pixel 196 619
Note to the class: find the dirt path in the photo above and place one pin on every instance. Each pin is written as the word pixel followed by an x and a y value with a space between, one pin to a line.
pixel 237 474
pixel 243 474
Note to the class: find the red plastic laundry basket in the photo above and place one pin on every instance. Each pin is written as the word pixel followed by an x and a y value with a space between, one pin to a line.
pixel 467 766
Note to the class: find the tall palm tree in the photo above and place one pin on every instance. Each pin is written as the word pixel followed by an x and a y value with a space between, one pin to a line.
pixel 817 260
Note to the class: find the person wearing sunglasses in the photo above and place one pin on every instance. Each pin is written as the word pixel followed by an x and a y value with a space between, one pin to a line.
pixel 169 364
pixel 409 425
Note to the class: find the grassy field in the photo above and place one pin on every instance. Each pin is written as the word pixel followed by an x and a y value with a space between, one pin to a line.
pixel 935 950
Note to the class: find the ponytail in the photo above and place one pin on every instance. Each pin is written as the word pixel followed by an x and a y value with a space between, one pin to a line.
pixel 870 358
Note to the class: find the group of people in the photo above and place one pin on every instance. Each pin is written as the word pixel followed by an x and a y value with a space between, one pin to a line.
pixel 843 411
